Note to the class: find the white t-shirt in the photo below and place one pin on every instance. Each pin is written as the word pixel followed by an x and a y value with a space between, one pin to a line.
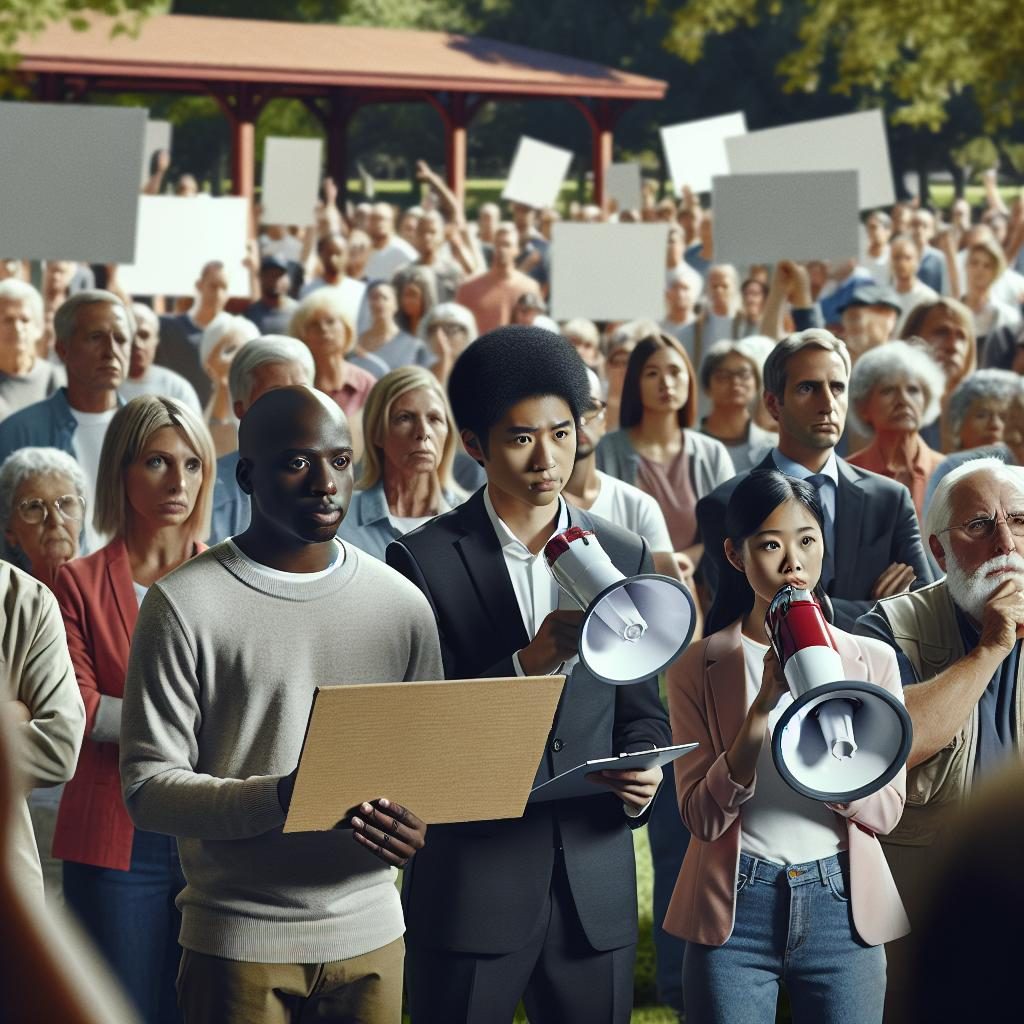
pixel 280 575
pixel 383 263
pixel 919 292
pixel 629 507
pixel 406 524
pixel 778 824
pixel 87 442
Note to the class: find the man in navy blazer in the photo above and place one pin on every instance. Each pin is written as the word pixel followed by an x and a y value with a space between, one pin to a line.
pixel 873 541
pixel 542 907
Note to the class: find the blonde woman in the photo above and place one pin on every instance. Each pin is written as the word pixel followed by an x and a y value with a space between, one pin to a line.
pixel 153 496
pixel 411 442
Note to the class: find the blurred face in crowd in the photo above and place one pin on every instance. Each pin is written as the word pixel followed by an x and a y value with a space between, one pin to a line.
pixel 817 272
pixel 664 382
pixel 408 226
pixel 676 247
pixel 960 214
pixel 429 235
pixel 895 406
pixel 19 333
pixel 522 217
pixel 218 363
pixel 548 219
pixel 97 354
pixel 383 304
pixel 447 336
pixel 706 229
pixel 950 341
pixel 411 300
pixel 415 434
pixel 901 213
pixel 326 333
pixel 587 348
pixel 866 327
pixel 187 186
pixel 212 287
pixel 984 423
pixel 161 486
pixel 268 376
pixel 487 220
pixel 358 254
pixel 57 277
pixel 812 411
pixel 506 249
pixel 274 283
pixel 690 219
pixel 904 261
pixel 145 342
pixel 679 299
pixel 9 268
pixel 879 233
pixel 46 519
pixel 733 385
pixel 615 368
pixel 753 295
pixel 333 253
pixel 922 227
pixel 361 219
pixel 593 425
pixel 381 224
pixel 982 270
pixel 1013 435
pixel 721 291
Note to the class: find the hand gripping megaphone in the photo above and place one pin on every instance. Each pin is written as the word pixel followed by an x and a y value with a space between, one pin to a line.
pixel 840 739
pixel 634 626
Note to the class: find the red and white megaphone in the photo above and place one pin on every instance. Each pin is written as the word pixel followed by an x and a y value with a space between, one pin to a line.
pixel 840 739
pixel 634 626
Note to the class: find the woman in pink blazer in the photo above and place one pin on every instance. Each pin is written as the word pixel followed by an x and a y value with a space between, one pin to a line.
pixel 775 887
pixel 154 491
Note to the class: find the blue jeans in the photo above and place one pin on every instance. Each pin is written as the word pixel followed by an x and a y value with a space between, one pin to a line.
pixel 793 925
pixel 131 917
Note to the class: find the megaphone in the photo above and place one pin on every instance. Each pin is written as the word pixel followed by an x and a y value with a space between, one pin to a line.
pixel 634 626
pixel 841 739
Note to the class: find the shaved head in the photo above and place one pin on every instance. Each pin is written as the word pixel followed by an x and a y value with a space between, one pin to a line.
pixel 284 416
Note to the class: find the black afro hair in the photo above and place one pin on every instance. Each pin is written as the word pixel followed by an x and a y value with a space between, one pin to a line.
pixel 510 364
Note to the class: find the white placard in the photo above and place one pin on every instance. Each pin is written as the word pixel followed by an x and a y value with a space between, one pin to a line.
pixel 763 218
pixel 608 271
pixel 178 235
pixel 849 142
pixel 695 150
pixel 291 180
pixel 69 180
pixel 158 137
pixel 537 173
pixel 622 183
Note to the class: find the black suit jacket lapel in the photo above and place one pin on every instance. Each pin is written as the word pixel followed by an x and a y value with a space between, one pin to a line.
pixel 849 527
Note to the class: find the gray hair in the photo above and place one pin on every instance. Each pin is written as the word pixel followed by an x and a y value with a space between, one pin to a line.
pixel 1000 385
pixel 13 290
pixel 718 353
pixel 896 360
pixel 585 330
pixel 222 325
pixel 630 333
pixel 941 508
pixel 814 337
pixel 451 312
pixel 65 319
pixel 144 312
pixel 270 349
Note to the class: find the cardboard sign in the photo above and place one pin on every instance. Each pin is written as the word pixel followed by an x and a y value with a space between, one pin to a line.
pixel 608 271
pixel 849 142
pixel 158 137
pixel 178 235
pixel 695 150
pixel 622 182
pixel 537 173
pixel 69 181
pixel 453 750
pixel 291 180
pixel 763 218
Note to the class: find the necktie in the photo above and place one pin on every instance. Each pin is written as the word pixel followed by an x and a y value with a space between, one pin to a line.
pixel 821 483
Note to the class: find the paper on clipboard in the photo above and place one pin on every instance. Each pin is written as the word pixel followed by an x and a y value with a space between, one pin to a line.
pixel 574 783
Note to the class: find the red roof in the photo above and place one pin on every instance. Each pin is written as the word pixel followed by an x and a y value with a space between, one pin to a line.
pixel 196 49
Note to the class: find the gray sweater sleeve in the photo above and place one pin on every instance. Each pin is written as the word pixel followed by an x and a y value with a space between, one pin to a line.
pixel 160 720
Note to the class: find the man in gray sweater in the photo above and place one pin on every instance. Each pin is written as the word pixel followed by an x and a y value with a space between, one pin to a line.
pixel 225 658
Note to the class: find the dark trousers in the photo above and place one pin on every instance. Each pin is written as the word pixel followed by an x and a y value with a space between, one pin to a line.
pixel 131 917
pixel 669 840
pixel 559 976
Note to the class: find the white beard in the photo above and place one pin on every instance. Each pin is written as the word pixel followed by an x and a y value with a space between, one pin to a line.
pixel 971 591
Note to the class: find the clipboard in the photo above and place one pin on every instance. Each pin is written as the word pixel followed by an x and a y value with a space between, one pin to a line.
pixel 574 783
pixel 449 750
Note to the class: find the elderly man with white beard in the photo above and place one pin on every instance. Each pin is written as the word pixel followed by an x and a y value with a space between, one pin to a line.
pixel 958 643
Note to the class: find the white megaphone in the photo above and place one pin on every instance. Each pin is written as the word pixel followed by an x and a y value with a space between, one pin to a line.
pixel 634 626
pixel 840 739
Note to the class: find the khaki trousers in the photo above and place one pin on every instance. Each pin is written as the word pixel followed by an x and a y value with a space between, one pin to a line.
pixel 364 989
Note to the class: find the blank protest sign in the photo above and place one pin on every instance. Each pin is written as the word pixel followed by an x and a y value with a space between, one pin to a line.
pixel 763 218
pixel 848 142
pixel 69 181
pixel 695 150
pixel 158 137
pixel 537 173
pixel 291 180
pixel 608 271
pixel 178 235
pixel 622 183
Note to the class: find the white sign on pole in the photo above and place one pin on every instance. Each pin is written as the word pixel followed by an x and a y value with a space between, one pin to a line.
pixel 69 180
pixel 622 182
pixel 291 180
pixel 763 218
pixel 608 271
pixel 178 235
pixel 158 137
pixel 695 150
pixel 537 173
pixel 848 142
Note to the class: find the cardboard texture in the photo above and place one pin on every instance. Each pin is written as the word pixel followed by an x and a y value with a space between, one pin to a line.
pixel 608 271
pixel 158 137
pixel 537 173
pixel 763 218
pixel 695 150
pixel 453 750
pixel 69 178
pixel 849 142
pixel 178 235
pixel 622 182
pixel 291 179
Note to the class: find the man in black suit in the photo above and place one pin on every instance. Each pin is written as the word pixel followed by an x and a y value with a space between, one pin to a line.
pixel 542 907
pixel 873 542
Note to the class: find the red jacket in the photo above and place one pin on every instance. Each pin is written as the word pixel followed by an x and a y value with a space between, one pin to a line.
pixel 99 606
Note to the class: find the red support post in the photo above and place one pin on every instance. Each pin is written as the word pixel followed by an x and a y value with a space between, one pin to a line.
pixel 455 145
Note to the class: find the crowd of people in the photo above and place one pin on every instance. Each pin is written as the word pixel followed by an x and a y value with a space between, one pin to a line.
pixel 212 505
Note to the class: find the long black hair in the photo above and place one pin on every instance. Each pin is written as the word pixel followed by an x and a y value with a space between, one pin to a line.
pixel 755 498
pixel 631 409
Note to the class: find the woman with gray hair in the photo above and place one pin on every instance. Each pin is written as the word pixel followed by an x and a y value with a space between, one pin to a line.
pixel 895 391
pixel 976 412
pixel 448 328
pixel 25 376
pixel 220 343
pixel 416 290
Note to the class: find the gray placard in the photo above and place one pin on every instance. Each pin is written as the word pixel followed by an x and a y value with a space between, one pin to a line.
pixel 69 178
pixel 622 183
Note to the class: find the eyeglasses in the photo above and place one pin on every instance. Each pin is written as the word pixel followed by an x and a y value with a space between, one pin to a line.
pixel 983 527
pixel 35 510
pixel 724 376
pixel 595 412
pixel 449 328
